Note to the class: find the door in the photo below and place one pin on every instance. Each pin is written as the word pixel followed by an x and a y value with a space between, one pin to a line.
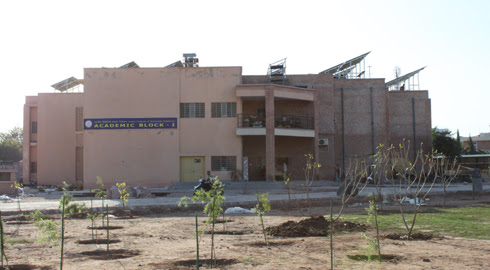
pixel 191 169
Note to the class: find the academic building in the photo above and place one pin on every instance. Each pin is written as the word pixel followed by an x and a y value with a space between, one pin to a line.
pixel 157 126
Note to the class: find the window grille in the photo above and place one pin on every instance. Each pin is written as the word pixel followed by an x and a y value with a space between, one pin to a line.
pixel 33 167
pixel 223 163
pixel 79 119
pixel 223 109
pixel 191 110
pixel 34 127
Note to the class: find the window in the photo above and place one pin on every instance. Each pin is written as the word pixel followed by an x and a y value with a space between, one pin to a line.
pixel 33 167
pixel 4 176
pixel 191 110
pixel 34 127
pixel 223 163
pixel 223 109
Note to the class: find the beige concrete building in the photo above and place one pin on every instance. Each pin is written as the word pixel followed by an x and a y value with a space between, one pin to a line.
pixel 480 142
pixel 157 126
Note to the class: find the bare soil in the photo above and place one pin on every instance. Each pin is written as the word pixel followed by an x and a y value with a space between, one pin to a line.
pixel 153 239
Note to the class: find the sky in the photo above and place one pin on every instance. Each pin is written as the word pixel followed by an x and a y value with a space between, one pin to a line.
pixel 44 42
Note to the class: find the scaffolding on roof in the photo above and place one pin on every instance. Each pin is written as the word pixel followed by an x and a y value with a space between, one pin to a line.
pixel 71 84
pixel 277 72
pixel 350 69
pixel 190 60
pixel 131 64
pixel 405 82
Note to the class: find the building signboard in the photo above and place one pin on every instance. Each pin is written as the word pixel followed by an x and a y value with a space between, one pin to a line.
pixel 129 123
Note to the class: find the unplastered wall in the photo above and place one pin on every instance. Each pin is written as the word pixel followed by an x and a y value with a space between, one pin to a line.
pixel 363 117
pixel 404 106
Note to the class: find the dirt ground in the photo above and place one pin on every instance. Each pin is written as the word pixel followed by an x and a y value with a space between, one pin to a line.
pixel 156 239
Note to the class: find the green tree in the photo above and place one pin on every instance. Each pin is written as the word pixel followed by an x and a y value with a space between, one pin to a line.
pixel 444 143
pixel 11 145
pixel 16 134
pixel 10 150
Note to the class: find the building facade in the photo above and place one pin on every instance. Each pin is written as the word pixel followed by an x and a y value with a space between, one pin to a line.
pixel 481 142
pixel 157 126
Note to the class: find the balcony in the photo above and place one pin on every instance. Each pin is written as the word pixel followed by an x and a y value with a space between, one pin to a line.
pixel 7 165
pixel 284 125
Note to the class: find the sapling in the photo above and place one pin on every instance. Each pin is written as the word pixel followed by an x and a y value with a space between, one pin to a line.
pixel 71 207
pixel 62 231
pixel 288 184
pixel 35 216
pixel 212 230
pixel 309 170
pixel 206 197
pixel 108 241
pixel 93 217
pixel 331 235
pixel 214 200
pixel 354 175
pixel 373 244
pixel 2 242
pixel 413 183
pixel 100 193
pixel 124 195
pixel 380 169
pixel 263 205
pixel 197 244
pixel 19 190
pixel 448 173
pixel 48 230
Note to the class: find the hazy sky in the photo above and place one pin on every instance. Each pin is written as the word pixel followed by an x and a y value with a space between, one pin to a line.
pixel 44 42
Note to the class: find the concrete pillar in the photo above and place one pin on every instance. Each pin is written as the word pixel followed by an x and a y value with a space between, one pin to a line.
pixel 316 121
pixel 26 146
pixel 270 147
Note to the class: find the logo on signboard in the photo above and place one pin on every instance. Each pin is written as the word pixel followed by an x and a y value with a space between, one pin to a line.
pixel 88 124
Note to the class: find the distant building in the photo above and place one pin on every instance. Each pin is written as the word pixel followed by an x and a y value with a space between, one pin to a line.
pixel 156 126
pixel 481 142
pixel 9 173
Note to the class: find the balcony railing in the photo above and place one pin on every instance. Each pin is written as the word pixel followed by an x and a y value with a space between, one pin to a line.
pixel 6 165
pixel 245 120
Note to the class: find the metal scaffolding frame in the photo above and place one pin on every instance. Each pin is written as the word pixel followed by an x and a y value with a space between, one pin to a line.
pixel 190 60
pixel 354 68
pixel 71 84
pixel 277 72
pixel 406 82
